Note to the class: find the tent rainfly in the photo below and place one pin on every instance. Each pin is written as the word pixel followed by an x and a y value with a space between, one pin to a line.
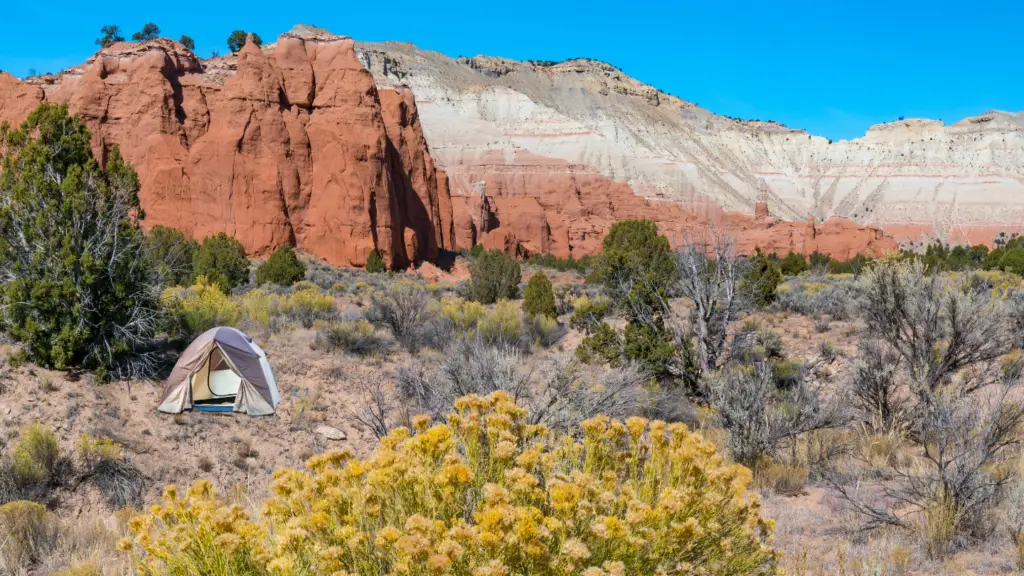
pixel 223 370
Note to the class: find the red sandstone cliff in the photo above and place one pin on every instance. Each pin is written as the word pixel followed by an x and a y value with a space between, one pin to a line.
pixel 292 144
pixel 534 204
pixel 295 144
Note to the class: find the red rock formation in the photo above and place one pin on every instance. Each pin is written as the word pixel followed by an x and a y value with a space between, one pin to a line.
pixel 567 210
pixel 424 202
pixel 285 145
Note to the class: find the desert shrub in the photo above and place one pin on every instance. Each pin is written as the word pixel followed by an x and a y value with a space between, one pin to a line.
pixel 582 266
pixel 505 498
pixel 237 39
pixel 307 304
pixel 793 264
pixel 476 251
pixel 171 252
pixel 263 309
pixel 283 268
pixel 355 337
pixel 494 276
pixel 29 533
pixel 407 310
pixel 783 479
pixel 149 32
pixel 194 310
pixel 637 269
pixel 463 314
pixel 221 259
pixel 755 343
pixel 761 418
pixel 96 450
pixel 565 293
pixel 875 388
pixel 35 455
pixel 589 313
pixel 650 345
pixel 603 345
pixel 937 326
pixel 761 279
pixel 75 286
pixel 539 296
pixel 545 330
pixel 374 263
pixel 1015 312
pixel 120 483
pixel 187 42
pixel 503 326
pixel 835 297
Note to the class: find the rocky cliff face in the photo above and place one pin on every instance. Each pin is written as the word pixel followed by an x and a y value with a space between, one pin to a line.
pixel 517 129
pixel 289 144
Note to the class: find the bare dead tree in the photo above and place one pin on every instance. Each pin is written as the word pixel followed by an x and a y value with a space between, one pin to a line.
pixel 709 277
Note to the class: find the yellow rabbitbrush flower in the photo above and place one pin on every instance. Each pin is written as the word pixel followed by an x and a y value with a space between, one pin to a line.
pixel 485 494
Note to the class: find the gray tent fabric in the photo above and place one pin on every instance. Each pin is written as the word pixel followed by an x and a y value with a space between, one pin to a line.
pixel 229 359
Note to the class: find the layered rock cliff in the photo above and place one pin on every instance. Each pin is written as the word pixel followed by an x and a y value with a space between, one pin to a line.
pixel 516 129
pixel 289 144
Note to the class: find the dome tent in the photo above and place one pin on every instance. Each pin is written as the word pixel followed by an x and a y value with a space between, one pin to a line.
pixel 223 370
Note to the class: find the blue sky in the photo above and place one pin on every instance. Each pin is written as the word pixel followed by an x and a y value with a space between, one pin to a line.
pixel 831 67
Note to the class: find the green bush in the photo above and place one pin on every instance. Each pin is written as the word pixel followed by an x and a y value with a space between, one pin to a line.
pixel 374 263
pixel 793 264
pixel 171 253
pixel 602 346
pixel 494 276
pixel 582 266
pixel 636 267
pixel 221 260
pixel 650 345
pixel 282 268
pixel 761 280
pixel 76 288
pixel 236 41
pixel 589 313
pixel 476 250
pixel 539 296
pixel 187 42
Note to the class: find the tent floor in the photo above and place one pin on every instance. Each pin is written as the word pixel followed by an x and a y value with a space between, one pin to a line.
pixel 214 407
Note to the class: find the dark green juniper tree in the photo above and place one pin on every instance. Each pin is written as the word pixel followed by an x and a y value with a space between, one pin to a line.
pixel 75 286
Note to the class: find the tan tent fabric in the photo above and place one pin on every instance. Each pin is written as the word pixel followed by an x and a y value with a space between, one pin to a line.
pixel 208 368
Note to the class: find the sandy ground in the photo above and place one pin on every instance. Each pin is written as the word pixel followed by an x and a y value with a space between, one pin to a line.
pixel 318 388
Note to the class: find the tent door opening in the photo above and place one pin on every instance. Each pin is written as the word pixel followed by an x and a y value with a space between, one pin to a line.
pixel 215 385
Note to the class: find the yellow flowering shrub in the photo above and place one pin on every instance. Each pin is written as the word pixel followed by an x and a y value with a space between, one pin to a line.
pixel 486 494
pixel 463 314
pixel 198 308
pixel 503 325
pixel 307 304
pixel 93 450
pixel 260 307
